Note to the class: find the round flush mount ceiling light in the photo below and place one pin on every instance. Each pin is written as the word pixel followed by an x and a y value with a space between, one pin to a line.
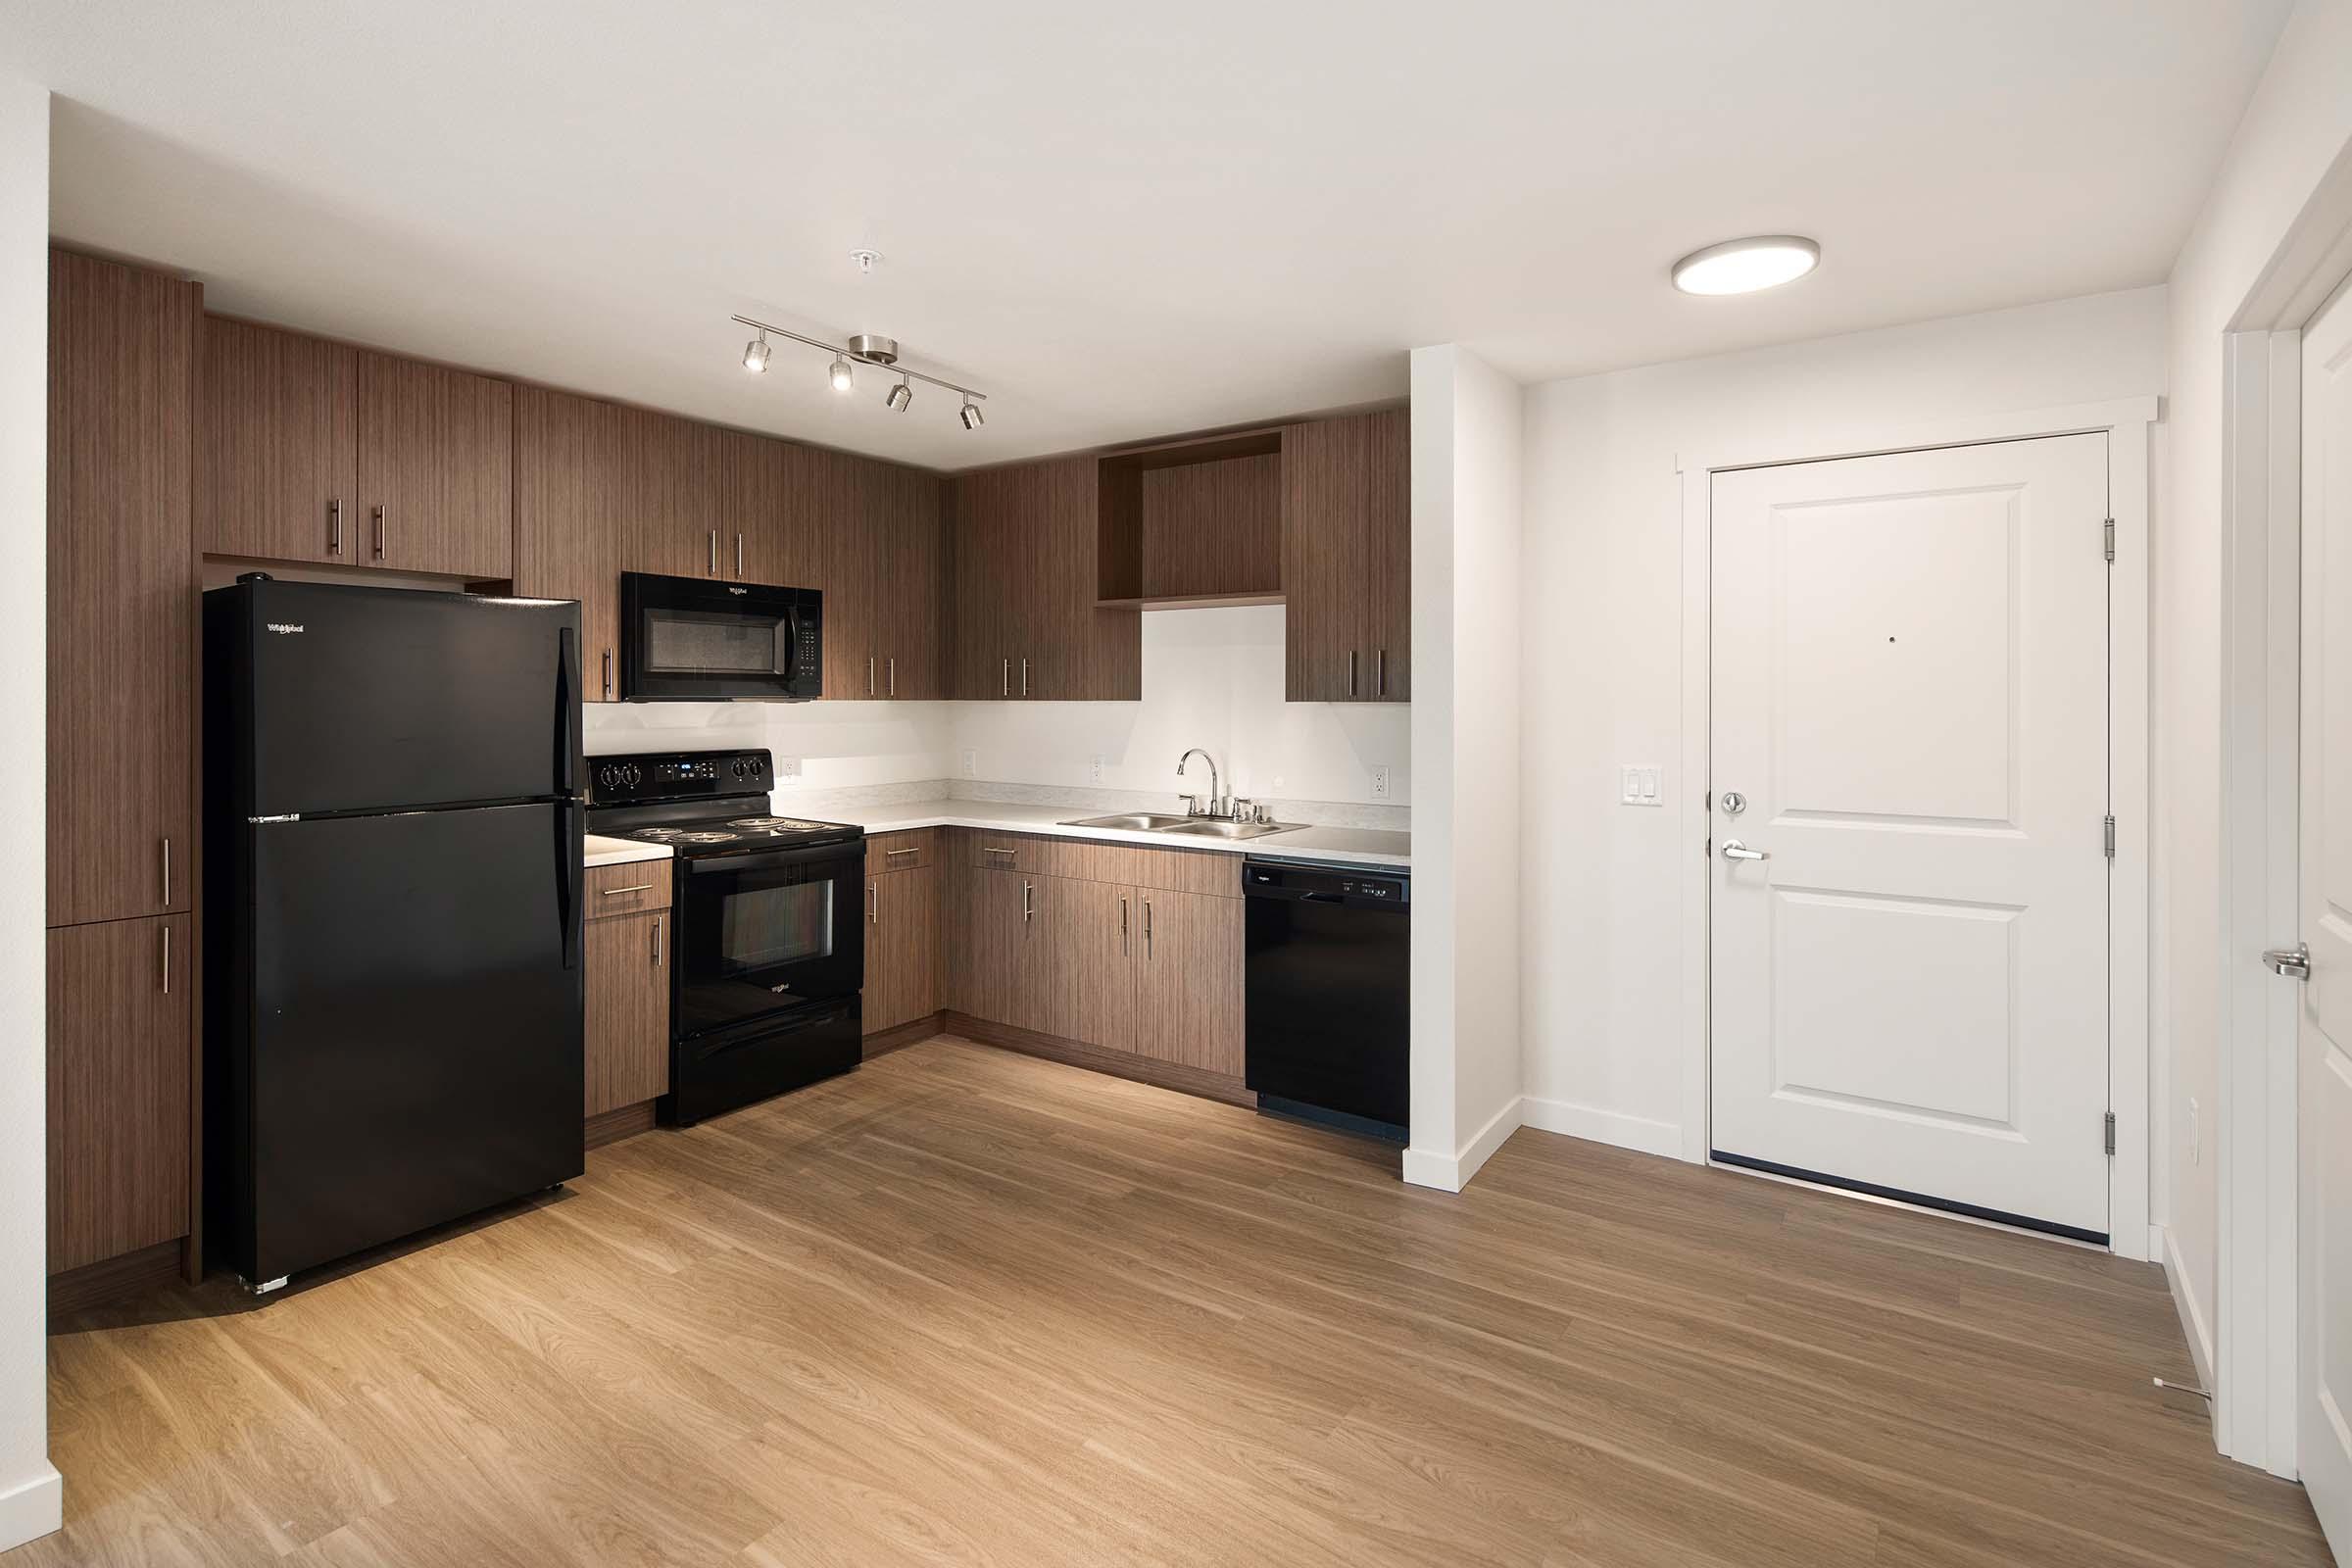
pixel 1745 266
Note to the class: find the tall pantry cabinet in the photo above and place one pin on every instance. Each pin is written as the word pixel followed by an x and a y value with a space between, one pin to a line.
pixel 122 762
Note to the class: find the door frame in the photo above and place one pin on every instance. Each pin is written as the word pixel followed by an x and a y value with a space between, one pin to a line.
pixel 2255 1348
pixel 2126 422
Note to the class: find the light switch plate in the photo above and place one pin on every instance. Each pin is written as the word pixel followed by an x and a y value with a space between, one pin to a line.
pixel 971 763
pixel 1641 785
pixel 1379 783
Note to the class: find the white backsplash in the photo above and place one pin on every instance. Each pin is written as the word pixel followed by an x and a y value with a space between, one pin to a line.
pixel 1211 679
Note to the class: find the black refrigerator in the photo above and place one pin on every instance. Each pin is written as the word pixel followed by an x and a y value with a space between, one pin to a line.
pixel 392 942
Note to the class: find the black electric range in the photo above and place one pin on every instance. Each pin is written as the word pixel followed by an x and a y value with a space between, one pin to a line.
pixel 768 950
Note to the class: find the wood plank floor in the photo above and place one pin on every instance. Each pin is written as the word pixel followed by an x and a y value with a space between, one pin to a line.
pixel 965 1306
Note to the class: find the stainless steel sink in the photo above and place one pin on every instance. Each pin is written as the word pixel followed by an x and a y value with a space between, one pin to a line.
pixel 1214 828
pixel 1132 821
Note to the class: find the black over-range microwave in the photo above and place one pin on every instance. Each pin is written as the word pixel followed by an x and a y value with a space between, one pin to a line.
pixel 694 639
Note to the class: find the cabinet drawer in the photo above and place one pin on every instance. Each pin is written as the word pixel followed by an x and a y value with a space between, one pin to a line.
pixel 909 851
pixel 627 888
pixel 1039 856
pixel 1209 871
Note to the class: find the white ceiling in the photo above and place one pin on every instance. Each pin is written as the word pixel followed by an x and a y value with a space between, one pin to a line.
pixel 1120 220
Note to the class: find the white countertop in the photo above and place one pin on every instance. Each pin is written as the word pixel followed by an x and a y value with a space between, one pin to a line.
pixel 1354 846
pixel 602 851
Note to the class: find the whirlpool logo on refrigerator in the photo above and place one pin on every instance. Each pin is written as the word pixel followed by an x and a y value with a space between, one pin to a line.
pixel 283 628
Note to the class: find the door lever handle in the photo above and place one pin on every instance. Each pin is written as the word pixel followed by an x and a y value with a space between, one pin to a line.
pixel 2293 963
pixel 1734 849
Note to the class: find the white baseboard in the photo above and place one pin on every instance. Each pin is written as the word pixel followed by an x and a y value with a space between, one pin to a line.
pixel 32 1507
pixel 1594 1125
pixel 1450 1173
pixel 2192 1318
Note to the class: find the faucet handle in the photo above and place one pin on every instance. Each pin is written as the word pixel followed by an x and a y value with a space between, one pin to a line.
pixel 1192 805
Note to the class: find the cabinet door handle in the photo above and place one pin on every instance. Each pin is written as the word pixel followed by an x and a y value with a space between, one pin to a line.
pixel 641 887
pixel 1004 679
pixel 1027 908
pixel 1024 677
pixel 1351 672
pixel 1380 676
pixel 381 530
pixel 1122 928
pixel 1147 928
pixel 334 526
pixel 166 870
pixel 657 941
pixel 869 675
pixel 874 904
pixel 990 848
pixel 607 674
pixel 891 854
pixel 167 961
pixel 893 674
pixel 712 569
pixel 738 558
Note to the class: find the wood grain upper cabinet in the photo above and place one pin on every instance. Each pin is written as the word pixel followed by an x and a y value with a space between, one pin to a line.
pixel 1346 558
pixel 626 963
pixel 1027 624
pixel 770 532
pixel 567 518
pixel 436 468
pixel 277 446
pixel 674 499
pixel 118 1092
pixel 122 590
pixel 1187 979
pixel 884 588
pixel 902 948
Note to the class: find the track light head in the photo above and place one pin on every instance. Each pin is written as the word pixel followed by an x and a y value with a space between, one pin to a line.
pixel 971 415
pixel 841 373
pixel 754 354
pixel 900 396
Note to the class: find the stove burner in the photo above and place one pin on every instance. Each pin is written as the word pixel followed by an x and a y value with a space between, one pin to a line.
pixel 706 838
pixel 658 833
pixel 772 821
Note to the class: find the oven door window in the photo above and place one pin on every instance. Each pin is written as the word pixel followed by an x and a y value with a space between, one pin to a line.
pixel 702 642
pixel 762 928
pixel 756 942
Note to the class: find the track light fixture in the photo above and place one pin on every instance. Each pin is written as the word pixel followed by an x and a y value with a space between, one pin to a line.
pixel 866 348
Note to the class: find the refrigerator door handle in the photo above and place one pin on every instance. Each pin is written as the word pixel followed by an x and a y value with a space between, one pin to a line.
pixel 567 710
pixel 570 871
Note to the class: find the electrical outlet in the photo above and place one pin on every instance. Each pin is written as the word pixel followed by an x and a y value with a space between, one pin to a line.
pixel 971 763
pixel 2195 1151
pixel 789 767
pixel 1094 770
pixel 1642 786
pixel 1379 783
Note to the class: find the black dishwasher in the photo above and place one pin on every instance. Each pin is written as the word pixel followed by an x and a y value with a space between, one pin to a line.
pixel 1328 988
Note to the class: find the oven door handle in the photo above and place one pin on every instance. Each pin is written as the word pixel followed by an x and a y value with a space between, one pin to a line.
pixel 850 852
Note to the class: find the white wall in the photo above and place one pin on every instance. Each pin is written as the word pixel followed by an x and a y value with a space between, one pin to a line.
pixel 839 745
pixel 2298 126
pixel 1603 614
pixel 1211 679
pixel 1466 729
pixel 30 1492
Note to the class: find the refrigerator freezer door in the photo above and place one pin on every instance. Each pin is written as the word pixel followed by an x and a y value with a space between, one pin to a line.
pixel 416 1024
pixel 383 699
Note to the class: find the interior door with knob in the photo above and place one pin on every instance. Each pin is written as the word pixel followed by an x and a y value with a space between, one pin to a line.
pixel 1909 907
pixel 2323 1078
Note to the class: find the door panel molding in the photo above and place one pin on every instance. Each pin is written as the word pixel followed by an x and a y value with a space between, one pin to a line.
pixel 2126 422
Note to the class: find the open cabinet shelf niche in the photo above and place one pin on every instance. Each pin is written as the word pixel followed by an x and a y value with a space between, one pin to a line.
pixel 1190 523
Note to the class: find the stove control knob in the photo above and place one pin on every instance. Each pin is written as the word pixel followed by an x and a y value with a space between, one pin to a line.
pixel 632 774
pixel 608 775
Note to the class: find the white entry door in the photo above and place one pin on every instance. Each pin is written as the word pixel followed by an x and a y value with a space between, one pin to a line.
pixel 1910 727
pixel 2323 1073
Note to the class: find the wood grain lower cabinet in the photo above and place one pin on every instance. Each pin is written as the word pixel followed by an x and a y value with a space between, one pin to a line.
pixel 1186 998
pixel 122 585
pixel 902 948
pixel 627 970
pixel 118 1085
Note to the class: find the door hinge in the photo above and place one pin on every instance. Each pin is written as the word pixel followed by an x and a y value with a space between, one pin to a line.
pixel 2111 1131
pixel 2111 836
pixel 2110 538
